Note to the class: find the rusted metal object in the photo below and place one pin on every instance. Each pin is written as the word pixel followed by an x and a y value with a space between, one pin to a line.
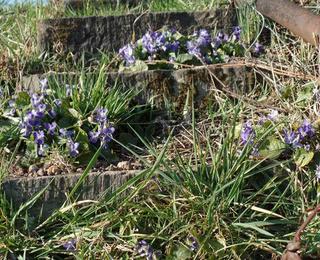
pixel 298 20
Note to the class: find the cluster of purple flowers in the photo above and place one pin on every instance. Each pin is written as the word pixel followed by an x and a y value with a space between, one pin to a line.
pixel 38 120
pixel 41 118
pixel 297 138
pixel 200 41
pixel 39 123
pixel 167 44
pixel 154 42
pixel 145 250
pixel 103 134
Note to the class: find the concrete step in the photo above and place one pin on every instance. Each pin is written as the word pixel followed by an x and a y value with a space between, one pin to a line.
pixel 81 4
pixel 22 189
pixel 110 33
pixel 168 88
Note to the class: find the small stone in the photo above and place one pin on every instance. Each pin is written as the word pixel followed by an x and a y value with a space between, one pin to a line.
pixel 46 165
pixel 53 170
pixel 33 169
pixel 125 165
pixel 136 166
pixel 40 172
pixel 79 170
pixel 18 171
pixel 111 167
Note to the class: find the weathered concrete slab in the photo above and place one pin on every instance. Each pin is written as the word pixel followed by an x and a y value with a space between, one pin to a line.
pixel 110 33
pixel 170 88
pixel 80 4
pixel 20 190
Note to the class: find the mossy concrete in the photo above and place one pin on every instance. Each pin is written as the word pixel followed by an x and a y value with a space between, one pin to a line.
pixel 110 33
pixel 80 4
pixel 169 89
pixel 22 189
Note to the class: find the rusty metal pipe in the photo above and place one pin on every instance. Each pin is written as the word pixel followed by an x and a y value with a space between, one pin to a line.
pixel 298 20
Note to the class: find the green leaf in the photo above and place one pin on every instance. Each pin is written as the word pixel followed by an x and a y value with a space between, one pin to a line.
pixel 302 157
pixel 23 99
pixel 305 93
pixel 181 253
pixel 272 148
pixel 83 139
pixel 137 67
pixel 237 130
pixel 184 58
pixel 74 113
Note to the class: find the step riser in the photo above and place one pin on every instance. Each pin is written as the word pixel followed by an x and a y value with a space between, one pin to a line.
pixel 81 4
pixel 20 190
pixel 109 34
pixel 161 87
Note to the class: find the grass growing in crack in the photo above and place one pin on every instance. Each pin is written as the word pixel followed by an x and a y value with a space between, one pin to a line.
pixel 233 207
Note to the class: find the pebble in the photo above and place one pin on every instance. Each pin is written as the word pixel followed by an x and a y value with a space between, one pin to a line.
pixel 124 165
pixel 53 170
pixel 33 169
pixel 41 172
pixel 18 171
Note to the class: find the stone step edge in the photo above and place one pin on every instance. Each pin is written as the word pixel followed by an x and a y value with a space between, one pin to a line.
pixel 20 190
pixel 79 4
pixel 172 88
pixel 109 33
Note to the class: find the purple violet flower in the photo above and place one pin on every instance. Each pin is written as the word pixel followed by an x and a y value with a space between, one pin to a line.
pixel 194 244
pixel 41 149
pixel 26 130
pixel 306 130
pixel 33 118
pixel 52 113
pixel 127 54
pixel 50 127
pixel 204 38
pixel 36 100
pixel 12 103
pixel 69 90
pixel 291 138
pixel 153 41
pixel 73 148
pixel 236 32
pixel 172 59
pixel 144 250
pixel 43 85
pixel 193 48
pixel 273 115
pixel 258 49
pixel 100 115
pixel 247 133
pixel 94 136
pixel 106 135
pixel 66 133
pixel 39 137
pixel 173 46
pixel 57 102
pixel 70 245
